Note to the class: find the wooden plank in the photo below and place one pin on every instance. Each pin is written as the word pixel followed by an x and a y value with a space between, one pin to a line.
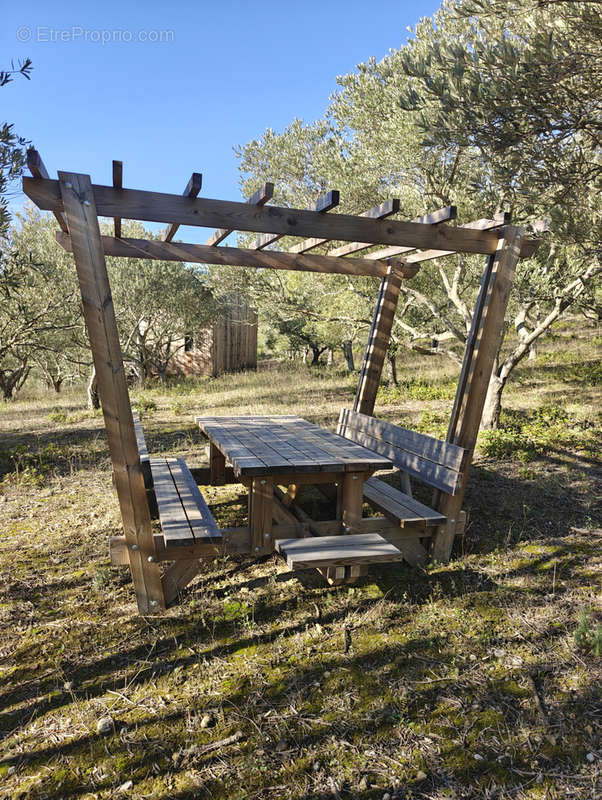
pixel 378 342
pixel 259 198
pixel 177 577
pixel 488 331
pixel 235 256
pixel 206 212
pixel 429 472
pixel 194 505
pixel 82 219
pixel 336 551
pixel 117 184
pixel 441 452
pixel 261 501
pixel 529 246
pixel 498 220
pixel 193 187
pixel 38 169
pixel 174 522
pixel 352 500
pixel 402 506
pixel 378 212
pixel 435 218
pixel 217 466
pixel 323 204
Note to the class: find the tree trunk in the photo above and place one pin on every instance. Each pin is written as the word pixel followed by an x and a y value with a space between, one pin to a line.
pixel 329 357
pixel 348 353
pixel 57 384
pixel 493 403
pixel 392 369
pixel 93 395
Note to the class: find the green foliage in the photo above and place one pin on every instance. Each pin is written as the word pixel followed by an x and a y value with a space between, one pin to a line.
pixel 418 389
pixel 529 436
pixel 588 637
pixel 144 406
pixel 12 146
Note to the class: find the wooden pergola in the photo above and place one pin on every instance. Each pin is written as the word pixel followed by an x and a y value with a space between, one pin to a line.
pixel 402 247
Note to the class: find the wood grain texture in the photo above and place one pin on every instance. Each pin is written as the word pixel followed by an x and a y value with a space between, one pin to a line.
pixel 259 198
pixel 285 445
pixel 378 341
pixel 435 218
pixel 38 170
pixel 232 256
pixel 193 187
pixel 428 459
pixel 333 551
pixel 99 314
pixel 500 219
pixel 324 203
pixel 482 347
pixel 206 212
pixel 117 184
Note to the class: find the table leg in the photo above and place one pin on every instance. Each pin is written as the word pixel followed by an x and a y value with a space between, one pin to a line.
pixel 353 493
pixel 217 466
pixel 261 500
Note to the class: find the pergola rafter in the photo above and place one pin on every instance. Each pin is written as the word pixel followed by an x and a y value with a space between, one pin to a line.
pixel 77 204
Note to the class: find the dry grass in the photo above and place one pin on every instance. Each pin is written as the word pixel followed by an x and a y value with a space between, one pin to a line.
pixel 463 681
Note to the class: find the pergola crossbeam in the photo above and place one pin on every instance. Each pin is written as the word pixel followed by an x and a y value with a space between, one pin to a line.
pixel 193 187
pixel 378 212
pixel 240 257
pixel 444 214
pixel 499 220
pixel 205 212
pixel 259 198
pixel 38 169
pixel 441 215
pixel 323 204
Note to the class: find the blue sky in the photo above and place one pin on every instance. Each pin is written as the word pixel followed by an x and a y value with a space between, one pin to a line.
pixel 224 73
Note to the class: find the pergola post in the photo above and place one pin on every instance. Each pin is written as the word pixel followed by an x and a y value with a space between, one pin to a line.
pixel 378 341
pixel 99 315
pixel 479 359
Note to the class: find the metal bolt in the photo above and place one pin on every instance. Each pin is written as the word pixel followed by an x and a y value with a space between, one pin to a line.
pixel 134 547
pixel 262 482
pixel 86 202
pixel 452 521
pixel 266 535
pixel 346 528
pixel 257 549
pixel 150 559
pixel 154 603
pixel 354 478
pixel 68 185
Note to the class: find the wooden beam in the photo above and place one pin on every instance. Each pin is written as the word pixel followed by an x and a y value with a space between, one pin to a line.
pixel 436 218
pixel 378 212
pixel 378 342
pixel 482 347
pixel 38 169
pixel 442 215
pixel 193 187
pixel 117 184
pixel 99 315
pixel 323 204
pixel 260 198
pixel 503 218
pixel 239 257
pixel 204 212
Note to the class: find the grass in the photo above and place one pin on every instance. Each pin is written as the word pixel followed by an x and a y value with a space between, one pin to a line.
pixel 479 679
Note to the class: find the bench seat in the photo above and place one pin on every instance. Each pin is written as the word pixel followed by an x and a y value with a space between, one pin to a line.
pixel 400 505
pixel 175 498
pixel 436 463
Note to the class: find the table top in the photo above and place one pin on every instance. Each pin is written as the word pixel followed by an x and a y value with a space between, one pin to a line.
pixel 285 444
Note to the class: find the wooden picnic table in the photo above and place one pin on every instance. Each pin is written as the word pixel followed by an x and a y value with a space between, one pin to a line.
pixel 270 451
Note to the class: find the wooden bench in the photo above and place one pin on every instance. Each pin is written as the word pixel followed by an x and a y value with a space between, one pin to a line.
pixel 175 498
pixel 434 462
